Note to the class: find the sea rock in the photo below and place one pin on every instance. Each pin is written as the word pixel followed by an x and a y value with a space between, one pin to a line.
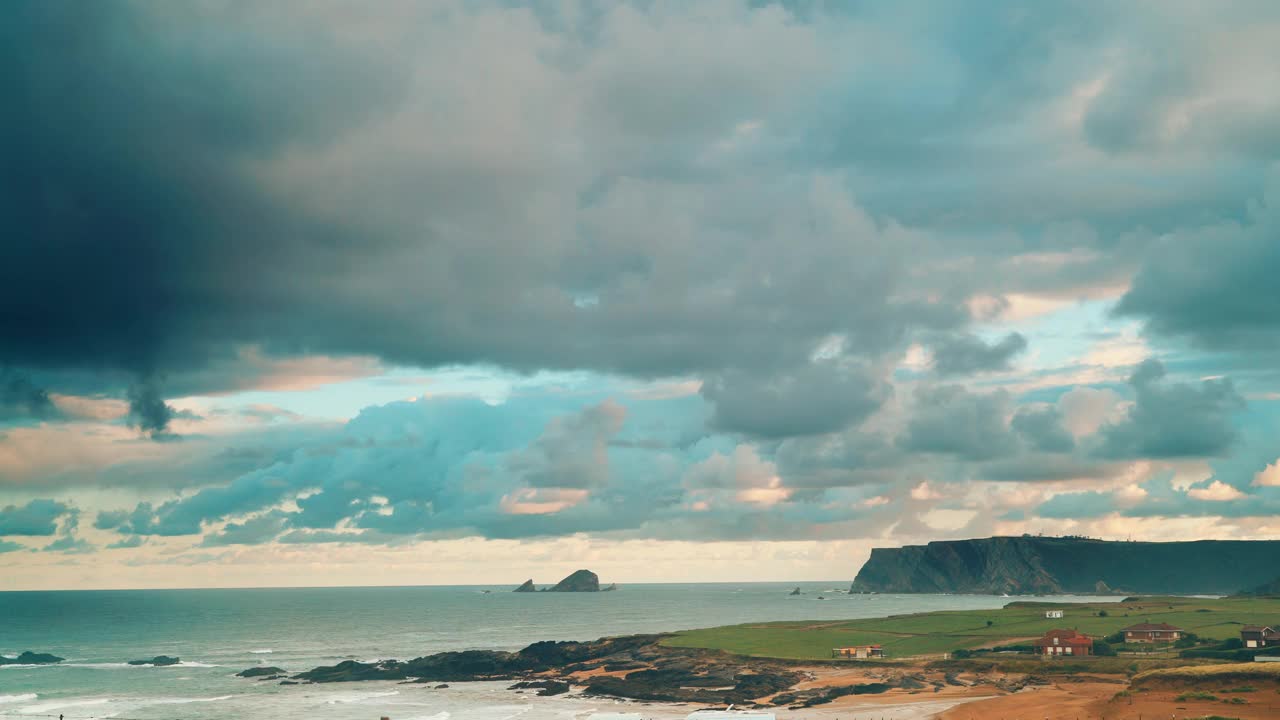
pixel 795 592
pixel 526 587
pixel 259 672
pixel 158 661
pixel 578 581
pixel 545 688
pixel 30 658
pixel 611 588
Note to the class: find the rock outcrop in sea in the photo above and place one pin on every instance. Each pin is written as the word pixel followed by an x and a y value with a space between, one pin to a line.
pixel 31 658
pixel 158 661
pixel 578 581
pixel 527 586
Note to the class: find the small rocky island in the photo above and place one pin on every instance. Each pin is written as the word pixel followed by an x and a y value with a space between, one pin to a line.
pixel 30 658
pixel 158 661
pixel 577 581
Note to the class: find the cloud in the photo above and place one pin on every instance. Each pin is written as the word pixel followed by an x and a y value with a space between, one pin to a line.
pixel 1268 476
pixel 70 544
pixel 20 399
pixel 952 421
pixel 969 354
pixel 1171 420
pixel 37 517
pixel 1215 491
pixel 819 398
pixel 1213 283
pixel 1042 428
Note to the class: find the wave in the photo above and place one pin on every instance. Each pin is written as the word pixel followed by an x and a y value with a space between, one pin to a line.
pixel 442 715
pixel 18 698
pixel 263 651
pixel 355 697
pixel 184 701
pixel 58 705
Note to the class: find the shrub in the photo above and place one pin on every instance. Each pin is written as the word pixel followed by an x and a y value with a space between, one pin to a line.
pixel 1102 613
pixel 1115 638
pixel 961 654
pixel 1186 641
pixel 1196 695
pixel 1103 649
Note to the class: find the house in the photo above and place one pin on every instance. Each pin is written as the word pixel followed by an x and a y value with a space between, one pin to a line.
pixel 861 652
pixel 1152 633
pixel 1256 636
pixel 1064 642
pixel 1053 614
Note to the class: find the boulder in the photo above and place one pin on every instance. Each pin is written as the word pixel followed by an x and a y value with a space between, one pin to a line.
pixel 545 688
pixel 260 672
pixel 578 581
pixel 526 587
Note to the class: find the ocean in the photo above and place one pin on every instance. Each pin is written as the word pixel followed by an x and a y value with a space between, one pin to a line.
pixel 218 633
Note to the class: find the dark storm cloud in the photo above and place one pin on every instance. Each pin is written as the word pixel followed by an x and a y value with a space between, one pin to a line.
pixel 1216 284
pixel 20 399
pixel 37 517
pixel 148 410
pixel 1173 420
pixel 969 354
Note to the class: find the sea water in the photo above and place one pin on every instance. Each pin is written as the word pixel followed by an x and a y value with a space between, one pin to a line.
pixel 218 633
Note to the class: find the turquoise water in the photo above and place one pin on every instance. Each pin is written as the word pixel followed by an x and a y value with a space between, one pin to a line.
pixel 220 632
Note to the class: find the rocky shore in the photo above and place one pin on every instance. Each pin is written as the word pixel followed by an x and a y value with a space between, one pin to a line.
pixel 636 667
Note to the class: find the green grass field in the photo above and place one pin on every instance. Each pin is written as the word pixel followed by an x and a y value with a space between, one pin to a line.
pixel 940 632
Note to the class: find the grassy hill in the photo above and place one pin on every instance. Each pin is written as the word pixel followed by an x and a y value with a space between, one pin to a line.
pixel 940 632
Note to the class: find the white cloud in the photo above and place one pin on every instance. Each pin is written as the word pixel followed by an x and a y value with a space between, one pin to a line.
pixel 1216 491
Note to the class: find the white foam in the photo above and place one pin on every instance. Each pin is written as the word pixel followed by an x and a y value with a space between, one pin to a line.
pixel 263 651
pixel 45 707
pixel 184 701
pixel 442 715
pixel 354 697
pixel 184 663
pixel 18 698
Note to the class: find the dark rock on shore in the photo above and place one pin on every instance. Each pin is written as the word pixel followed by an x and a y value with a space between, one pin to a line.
pixel 479 664
pixel 713 684
pixel 260 672
pixel 578 581
pixel 158 661
pixel 545 688
pixel 526 587
pixel 30 658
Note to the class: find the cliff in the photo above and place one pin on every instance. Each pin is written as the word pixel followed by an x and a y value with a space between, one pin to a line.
pixel 1052 565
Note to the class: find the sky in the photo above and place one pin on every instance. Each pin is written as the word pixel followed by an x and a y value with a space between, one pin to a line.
pixel 324 293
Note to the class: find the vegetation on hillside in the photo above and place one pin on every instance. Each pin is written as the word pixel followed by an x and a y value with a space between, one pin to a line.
pixel 936 633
